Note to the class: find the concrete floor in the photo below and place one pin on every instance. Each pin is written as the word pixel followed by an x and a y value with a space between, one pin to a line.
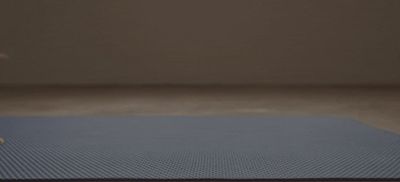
pixel 378 107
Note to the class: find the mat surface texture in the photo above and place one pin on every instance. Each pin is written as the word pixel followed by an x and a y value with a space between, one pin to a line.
pixel 190 148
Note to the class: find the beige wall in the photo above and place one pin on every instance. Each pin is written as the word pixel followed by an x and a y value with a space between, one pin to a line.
pixel 200 41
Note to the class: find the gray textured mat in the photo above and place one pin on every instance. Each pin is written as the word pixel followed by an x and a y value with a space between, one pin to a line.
pixel 196 148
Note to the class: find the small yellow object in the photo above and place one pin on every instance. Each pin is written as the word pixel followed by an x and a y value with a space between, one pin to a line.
pixel 1 141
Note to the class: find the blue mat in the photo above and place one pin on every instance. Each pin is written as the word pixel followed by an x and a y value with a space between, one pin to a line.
pixel 190 148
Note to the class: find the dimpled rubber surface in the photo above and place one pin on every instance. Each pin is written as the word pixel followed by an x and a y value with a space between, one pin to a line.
pixel 174 148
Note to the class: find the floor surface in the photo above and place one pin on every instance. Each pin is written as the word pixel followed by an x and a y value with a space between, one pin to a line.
pixel 379 107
